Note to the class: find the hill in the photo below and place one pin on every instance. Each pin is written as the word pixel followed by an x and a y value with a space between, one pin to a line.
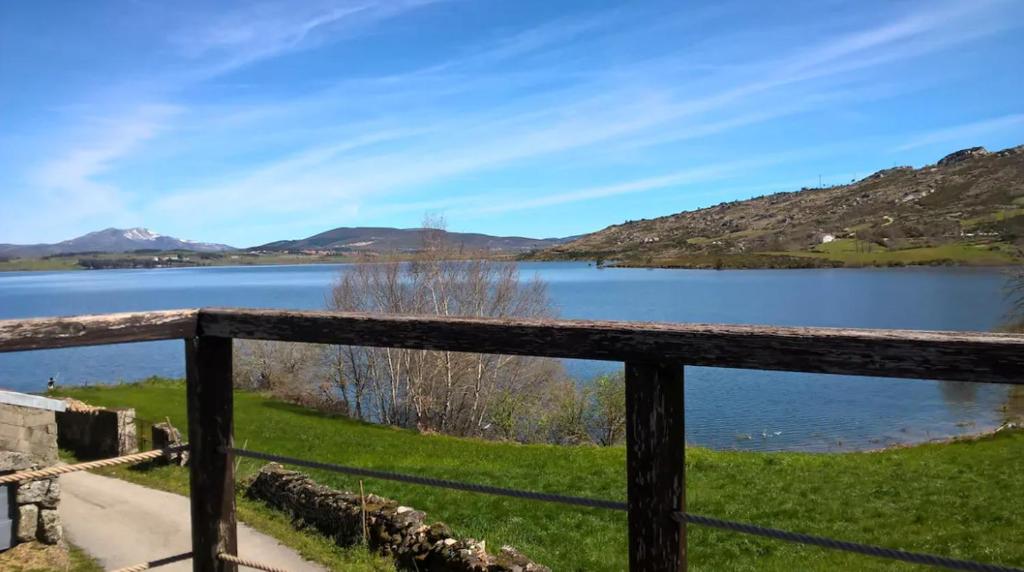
pixel 968 208
pixel 110 240
pixel 384 239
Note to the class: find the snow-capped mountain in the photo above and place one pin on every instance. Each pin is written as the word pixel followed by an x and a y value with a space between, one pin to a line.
pixel 112 240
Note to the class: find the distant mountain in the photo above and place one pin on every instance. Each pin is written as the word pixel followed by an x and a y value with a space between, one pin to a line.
pixel 385 239
pixel 968 208
pixel 110 240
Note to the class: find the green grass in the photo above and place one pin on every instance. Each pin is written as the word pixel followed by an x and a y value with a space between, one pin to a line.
pixel 997 216
pixel 36 264
pixel 851 252
pixel 957 499
pixel 844 246
pixel 81 562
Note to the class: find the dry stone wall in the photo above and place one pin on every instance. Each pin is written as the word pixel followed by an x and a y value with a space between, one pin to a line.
pixel 394 530
pixel 33 504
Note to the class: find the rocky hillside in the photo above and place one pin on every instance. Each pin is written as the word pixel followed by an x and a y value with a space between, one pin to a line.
pixel 967 208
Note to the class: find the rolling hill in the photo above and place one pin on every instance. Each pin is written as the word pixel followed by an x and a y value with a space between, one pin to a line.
pixel 385 239
pixel 110 240
pixel 968 208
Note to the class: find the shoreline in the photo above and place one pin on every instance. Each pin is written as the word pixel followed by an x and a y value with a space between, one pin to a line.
pixel 588 262
pixel 976 431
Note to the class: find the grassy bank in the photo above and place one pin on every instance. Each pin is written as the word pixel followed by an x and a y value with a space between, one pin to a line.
pixel 960 499
pixel 840 253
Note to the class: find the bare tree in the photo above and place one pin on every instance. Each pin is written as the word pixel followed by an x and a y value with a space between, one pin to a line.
pixel 607 408
pixel 449 392
pixel 291 371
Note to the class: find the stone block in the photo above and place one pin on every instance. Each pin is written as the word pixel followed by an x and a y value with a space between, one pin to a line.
pixel 36 417
pixel 165 435
pixel 11 461
pixel 28 523
pixel 31 492
pixel 44 492
pixel 50 530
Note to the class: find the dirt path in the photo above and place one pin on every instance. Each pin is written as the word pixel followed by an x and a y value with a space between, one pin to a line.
pixel 121 523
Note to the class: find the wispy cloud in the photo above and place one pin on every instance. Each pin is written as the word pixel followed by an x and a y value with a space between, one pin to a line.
pixel 566 118
pixel 72 184
pixel 565 97
pixel 265 30
pixel 966 132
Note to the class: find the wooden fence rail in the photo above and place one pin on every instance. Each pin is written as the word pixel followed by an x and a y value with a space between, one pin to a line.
pixel 654 356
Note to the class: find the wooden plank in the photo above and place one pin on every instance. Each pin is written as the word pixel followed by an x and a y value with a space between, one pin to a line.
pixel 956 356
pixel 63 332
pixel 655 466
pixel 211 464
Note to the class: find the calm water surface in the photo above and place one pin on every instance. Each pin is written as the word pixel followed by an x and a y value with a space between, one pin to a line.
pixel 726 408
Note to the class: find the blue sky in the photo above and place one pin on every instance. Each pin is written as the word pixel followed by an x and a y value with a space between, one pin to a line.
pixel 246 122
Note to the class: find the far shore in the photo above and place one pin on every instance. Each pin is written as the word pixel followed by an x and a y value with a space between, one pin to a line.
pixel 754 261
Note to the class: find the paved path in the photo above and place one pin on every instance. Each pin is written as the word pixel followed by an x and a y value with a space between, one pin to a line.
pixel 121 524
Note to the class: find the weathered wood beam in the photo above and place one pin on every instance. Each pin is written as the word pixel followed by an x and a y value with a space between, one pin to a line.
pixel 211 467
pixel 655 466
pixel 64 332
pixel 956 356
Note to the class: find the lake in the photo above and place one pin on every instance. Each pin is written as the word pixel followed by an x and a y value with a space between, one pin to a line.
pixel 726 408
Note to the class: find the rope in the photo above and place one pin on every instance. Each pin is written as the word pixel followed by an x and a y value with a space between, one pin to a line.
pixel 155 563
pixel 432 482
pixel 249 563
pixel 62 469
pixel 881 552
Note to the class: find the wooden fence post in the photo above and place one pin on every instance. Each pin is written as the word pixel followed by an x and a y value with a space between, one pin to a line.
pixel 655 469
pixel 212 478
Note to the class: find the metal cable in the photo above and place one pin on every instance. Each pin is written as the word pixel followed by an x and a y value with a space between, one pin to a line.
pixel 870 550
pixel 432 482
pixel 62 469
pixel 156 563
pixel 249 563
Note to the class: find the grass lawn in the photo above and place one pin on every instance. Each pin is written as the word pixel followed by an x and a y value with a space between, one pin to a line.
pixel 852 252
pixel 26 264
pixel 960 499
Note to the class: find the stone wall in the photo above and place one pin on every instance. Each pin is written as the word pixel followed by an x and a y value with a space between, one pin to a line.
pixel 96 433
pixel 394 530
pixel 28 430
pixel 32 504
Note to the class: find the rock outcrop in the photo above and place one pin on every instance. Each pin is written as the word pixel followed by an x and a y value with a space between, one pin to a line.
pixel 962 155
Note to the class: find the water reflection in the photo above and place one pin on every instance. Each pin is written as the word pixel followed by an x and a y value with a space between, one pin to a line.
pixel 957 394
pixel 1013 409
